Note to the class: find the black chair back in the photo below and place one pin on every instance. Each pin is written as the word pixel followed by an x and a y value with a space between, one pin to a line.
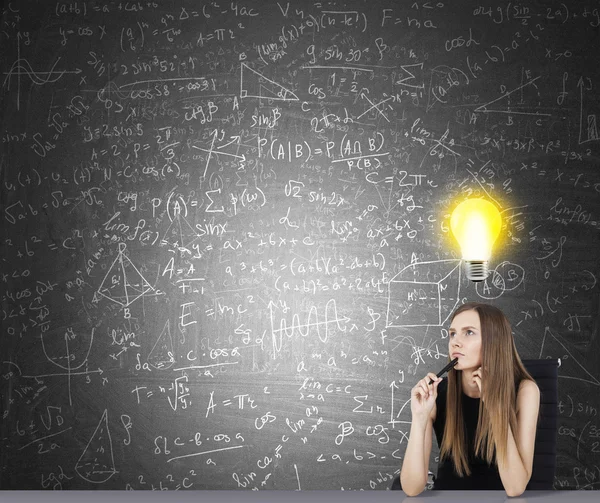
pixel 545 373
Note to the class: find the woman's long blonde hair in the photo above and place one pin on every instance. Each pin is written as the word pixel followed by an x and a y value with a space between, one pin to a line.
pixel 503 371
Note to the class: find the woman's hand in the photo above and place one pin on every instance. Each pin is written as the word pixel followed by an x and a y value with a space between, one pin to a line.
pixel 477 379
pixel 423 395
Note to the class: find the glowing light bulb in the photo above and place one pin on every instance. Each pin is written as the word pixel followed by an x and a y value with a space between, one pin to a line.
pixel 476 224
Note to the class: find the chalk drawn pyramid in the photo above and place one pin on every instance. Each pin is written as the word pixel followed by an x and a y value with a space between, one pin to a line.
pixel 180 233
pixel 123 283
pixel 97 463
pixel 161 356
pixel 423 294
pixel 254 84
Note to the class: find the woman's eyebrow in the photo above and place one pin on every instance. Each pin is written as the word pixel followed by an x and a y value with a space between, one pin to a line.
pixel 452 329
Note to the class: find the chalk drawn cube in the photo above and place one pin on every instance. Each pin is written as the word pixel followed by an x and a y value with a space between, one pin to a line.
pixel 423 294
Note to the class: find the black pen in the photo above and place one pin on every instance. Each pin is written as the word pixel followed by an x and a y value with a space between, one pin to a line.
pixel 445 369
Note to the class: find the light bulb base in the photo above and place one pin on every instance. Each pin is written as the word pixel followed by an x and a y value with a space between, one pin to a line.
pixel 477 270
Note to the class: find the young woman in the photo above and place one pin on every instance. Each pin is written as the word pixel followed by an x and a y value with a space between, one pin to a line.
pixel 484 414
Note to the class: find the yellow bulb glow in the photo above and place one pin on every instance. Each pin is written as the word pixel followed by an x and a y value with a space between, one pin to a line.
pixel 476 224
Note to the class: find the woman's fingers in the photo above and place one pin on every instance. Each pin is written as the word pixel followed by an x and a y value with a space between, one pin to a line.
pixel 427 389
pixel 423 391
pixel 477 378
pixel 420 391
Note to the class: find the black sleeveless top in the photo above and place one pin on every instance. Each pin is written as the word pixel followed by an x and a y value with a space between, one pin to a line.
pixel 483 476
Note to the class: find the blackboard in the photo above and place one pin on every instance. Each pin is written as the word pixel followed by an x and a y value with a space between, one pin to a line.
pixel 224 231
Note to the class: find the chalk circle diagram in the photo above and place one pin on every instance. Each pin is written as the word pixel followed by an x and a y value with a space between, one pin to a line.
pixel 254 84
pixel 505 277
pixel 424 294
pixel 96 463
pixel 123 283
pixel 161 357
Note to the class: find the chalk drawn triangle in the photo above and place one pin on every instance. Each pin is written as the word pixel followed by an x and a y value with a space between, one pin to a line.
pixel 180 233
pixel 588 121
pixel 570 367
pixel 161 356
pixel 254 84
pixel 97 463
pixel 123 283
pixel 513 105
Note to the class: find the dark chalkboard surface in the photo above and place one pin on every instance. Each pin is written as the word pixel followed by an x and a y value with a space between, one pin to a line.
pixel 224 238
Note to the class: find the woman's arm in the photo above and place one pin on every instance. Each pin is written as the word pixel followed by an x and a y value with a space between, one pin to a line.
pixel 415 466
pixel 515 470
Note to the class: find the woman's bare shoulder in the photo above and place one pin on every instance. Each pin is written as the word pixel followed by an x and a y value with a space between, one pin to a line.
pixel 528 393
pixel 528 386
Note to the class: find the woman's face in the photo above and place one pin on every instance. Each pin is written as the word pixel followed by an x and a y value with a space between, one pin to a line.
pixel 465 340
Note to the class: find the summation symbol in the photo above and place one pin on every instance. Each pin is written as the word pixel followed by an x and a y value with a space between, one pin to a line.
pixel 123 283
